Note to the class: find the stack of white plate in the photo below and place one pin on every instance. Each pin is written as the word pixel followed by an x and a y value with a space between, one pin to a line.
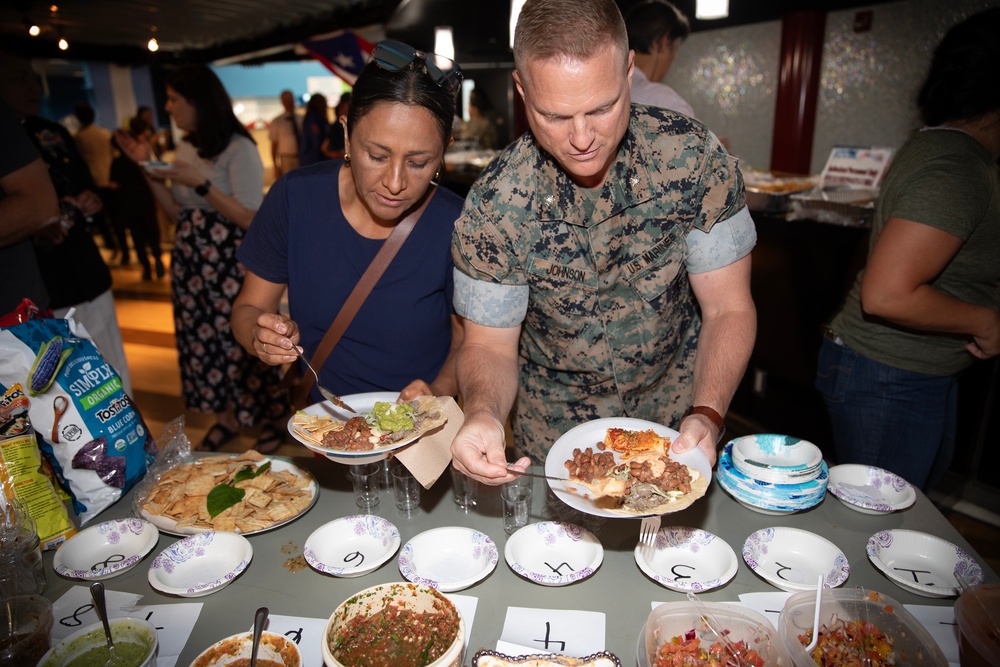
pixel 773 474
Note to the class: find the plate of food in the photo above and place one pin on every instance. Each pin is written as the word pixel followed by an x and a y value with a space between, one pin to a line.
pixel 245 494
pixel 381 426
pixel 634 473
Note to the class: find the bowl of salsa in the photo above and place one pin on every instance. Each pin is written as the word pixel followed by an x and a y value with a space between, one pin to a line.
pixel 234 651
pixel 395 625
pixel 135 646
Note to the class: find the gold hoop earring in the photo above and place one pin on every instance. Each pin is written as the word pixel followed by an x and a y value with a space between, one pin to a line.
pixel 347 158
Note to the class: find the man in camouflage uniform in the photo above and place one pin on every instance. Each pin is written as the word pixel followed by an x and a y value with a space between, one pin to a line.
pixel 587 248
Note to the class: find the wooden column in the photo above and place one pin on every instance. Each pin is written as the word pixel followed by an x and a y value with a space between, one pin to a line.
pixel 798 90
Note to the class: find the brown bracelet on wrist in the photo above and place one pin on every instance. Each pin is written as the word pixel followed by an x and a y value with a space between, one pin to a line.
pixel 712 415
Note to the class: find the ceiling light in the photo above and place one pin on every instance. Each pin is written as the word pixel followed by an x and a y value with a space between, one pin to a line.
pixel 515 11
pixel 63 44
pixel 34 30
pixel 444 43
pixel 152 45
pixel 711 9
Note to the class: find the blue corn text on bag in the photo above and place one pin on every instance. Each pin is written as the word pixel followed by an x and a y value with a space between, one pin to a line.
pixel 87 427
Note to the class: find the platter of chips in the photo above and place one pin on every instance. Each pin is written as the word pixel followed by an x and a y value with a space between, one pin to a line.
pixel 311 424
pixel 277 492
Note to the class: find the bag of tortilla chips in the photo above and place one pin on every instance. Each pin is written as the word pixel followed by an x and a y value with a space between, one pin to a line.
pixel 23 473
pixel 87 426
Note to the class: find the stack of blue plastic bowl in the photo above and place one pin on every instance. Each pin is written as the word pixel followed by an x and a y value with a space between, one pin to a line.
pixel 773 474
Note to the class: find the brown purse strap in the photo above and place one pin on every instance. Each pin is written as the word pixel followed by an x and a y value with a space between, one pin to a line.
pixel 361 291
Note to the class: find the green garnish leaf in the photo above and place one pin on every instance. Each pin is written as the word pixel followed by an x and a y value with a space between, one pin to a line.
pixel 247 472
pixel 222 497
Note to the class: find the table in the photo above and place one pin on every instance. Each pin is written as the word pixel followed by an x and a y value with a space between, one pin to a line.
pixel 618 588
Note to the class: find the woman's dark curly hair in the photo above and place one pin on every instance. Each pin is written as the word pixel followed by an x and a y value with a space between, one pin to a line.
pixel 963 80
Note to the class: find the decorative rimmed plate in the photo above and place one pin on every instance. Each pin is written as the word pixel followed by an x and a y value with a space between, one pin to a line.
pixel 488 658
pixel 352 545
pixel 449 558
pixel 776 458
pixel 362 403
pixel 922 563
pixel 687 559
pixel 200 564
pixel 169 526
pixel 553 553
pixel 870 490
pixel 105 550
pixel 792 559
pixel 588 435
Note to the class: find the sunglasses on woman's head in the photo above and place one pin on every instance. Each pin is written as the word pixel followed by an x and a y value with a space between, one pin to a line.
pixel 394 56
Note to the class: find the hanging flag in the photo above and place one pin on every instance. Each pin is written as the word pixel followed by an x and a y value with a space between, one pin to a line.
pixel 344 53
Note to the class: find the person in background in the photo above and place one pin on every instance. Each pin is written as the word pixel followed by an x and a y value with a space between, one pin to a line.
pixel 216 186
pixel 482 125
pixel 28 205
pixel 135 204
pixel 94 144
pixel 656 29
pixel 602 260
pixel 285 134
pixel 927 304
pixel 320 227
pixel 159 140
pixel 75 275
pixel 315 128
pixel 333 147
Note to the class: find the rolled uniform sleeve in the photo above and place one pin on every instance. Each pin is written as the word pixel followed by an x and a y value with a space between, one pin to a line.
pixel 490 288
pixel 726 242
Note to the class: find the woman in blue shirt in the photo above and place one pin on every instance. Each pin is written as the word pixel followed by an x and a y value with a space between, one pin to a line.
pixel 320 227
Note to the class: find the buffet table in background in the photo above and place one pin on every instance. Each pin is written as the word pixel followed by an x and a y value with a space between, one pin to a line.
pixel 279 579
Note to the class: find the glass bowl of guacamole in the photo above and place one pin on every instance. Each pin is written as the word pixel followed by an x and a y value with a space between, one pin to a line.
pixel 135 646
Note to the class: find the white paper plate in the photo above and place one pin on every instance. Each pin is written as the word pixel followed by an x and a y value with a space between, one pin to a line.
pixel 780 459
pixel 687 559
pixel 870 490
pixel 792 559
pixel 169 526
pixel 200 564
pixel 489 658
pixel 922 563
pixel 448 558
pixel 553 553
pixel 362 403
pixel 105 550
pixel 352 545
pixel 588 435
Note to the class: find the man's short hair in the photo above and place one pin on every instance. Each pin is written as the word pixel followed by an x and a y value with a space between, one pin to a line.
pixel 649 20
pixel 550 29
pixel 84 113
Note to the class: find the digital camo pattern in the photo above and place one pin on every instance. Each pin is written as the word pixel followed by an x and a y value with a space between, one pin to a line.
pixel 611 326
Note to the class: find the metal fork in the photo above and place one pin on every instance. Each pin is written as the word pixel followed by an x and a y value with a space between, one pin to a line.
pixel 647 531
pixel 327 394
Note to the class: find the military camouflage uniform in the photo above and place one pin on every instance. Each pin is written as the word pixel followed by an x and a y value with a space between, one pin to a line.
pixel 610 327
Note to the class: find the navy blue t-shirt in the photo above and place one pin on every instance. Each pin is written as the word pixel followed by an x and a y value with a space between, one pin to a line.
pixel 300 238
